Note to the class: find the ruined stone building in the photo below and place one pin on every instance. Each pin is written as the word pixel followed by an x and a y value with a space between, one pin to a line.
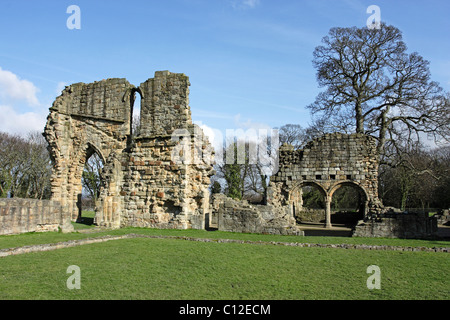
pixel 142 185
pixel 159 177
pixel 328 163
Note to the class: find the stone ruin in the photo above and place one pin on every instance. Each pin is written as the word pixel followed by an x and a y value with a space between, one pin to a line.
pixel 159 177
pixel 142 184
pixel 328 163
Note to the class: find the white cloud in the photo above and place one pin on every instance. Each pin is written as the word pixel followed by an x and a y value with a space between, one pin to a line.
pixel 249 124
pixel 13 88
pixel 245 4
pixel 250 3
pixel 15 123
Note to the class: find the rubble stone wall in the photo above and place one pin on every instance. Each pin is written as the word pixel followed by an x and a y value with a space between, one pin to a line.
pixel 406 226
pixel 240 216
pixel 327 163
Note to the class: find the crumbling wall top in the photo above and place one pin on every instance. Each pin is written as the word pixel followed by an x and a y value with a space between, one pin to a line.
pixel 105 99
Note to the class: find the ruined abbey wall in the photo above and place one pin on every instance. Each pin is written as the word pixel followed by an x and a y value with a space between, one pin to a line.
pixel 32 215
pixel 84 119
pixel 240 216
pixel 327 163
pixel 142 184
pixel 159 176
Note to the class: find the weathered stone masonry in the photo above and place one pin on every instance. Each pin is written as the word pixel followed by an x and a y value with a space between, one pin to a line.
pixel 328 163
pixel 160 176
pixel 146 186
pixel 142 184
pixel 31 215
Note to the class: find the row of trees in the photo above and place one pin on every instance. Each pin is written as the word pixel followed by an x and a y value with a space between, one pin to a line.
pixel 25 166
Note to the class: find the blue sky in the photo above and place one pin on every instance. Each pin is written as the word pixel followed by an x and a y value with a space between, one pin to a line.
pixel 249 61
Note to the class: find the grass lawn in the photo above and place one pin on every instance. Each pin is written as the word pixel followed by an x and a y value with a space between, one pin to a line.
pixel 145 268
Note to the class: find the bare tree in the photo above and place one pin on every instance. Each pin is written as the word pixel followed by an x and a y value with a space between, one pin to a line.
pixel 373 86
pixel 39 167
pixel 92 176
pixel 419 179
pixel 293 134
pixel 25 166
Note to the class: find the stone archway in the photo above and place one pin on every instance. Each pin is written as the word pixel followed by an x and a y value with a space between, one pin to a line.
pixel 295 197
pixel 84 119
pixel 331 161
pixel 142 184
pixel 363 201
pixel 92 180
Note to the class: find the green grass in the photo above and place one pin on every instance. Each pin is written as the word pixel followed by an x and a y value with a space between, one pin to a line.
pixel 52 237
pixel 87 221
pixel 145 268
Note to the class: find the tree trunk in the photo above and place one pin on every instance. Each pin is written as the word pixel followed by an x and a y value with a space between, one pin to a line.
pixel 382 133
pixel 359 118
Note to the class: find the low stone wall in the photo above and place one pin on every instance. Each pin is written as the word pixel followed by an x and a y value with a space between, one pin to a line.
pixel 30 215
pixel 72 243
pixel 310 215
pixel 240 216
pixel 443 217
pixel 405 226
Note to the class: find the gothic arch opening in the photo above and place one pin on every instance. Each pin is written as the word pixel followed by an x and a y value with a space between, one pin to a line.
pixel 135 107
pixel 92 183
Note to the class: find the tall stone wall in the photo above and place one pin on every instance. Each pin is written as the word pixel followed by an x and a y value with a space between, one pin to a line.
pixel 86 119
pixel 162 190
pixel 164 104
pixel 30 215
pixel 154 179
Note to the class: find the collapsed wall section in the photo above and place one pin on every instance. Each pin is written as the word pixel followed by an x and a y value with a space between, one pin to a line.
pixel 240 216
pixel 404 226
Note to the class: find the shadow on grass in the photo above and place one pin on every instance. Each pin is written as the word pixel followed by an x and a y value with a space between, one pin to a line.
pixel 86 221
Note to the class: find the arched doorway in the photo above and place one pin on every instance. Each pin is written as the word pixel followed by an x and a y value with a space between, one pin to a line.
pixel 92 182
pixel 308 203
pixel 349 202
